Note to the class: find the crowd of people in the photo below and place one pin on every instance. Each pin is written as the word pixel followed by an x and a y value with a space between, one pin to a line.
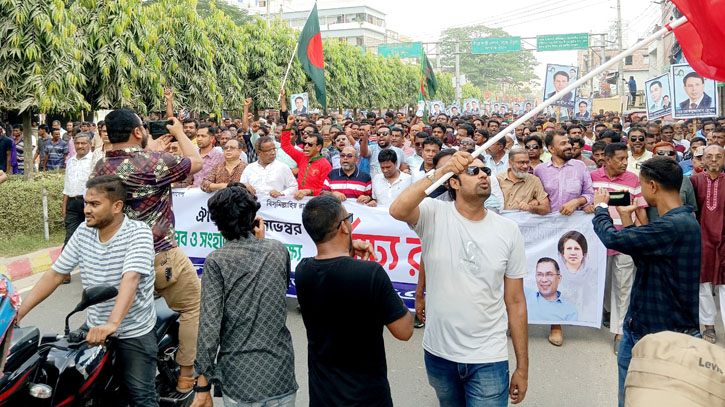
pixel 670 169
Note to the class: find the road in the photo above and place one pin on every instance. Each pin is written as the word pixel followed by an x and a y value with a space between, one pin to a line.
pixel 581 372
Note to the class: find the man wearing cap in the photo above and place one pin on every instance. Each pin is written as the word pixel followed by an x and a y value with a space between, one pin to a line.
pixel 666 252
pixel 687 192
pixel 696 164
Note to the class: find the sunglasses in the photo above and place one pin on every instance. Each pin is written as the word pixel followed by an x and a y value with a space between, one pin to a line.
pixel 311 144
pixel 640 138
pixel 348 217
pixel 348 155
pixel 667 153
pixel 532 147
pixel 382 133
pixel 473 170
pixel 419 144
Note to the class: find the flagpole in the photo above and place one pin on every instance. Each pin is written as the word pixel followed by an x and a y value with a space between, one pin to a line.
pixel 480 150
pixel 289 65
pixel 297 44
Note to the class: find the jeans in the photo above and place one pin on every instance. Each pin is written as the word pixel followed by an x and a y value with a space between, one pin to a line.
pixel 287 400
pixel 136 367
pixel 468 385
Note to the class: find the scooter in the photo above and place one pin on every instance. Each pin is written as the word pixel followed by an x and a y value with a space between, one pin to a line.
pixel 62 370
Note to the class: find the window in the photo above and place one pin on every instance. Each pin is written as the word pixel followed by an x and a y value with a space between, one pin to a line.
pixel 628 60
pixel 645 59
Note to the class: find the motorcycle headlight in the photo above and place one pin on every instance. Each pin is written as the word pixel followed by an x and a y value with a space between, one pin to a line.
pixel 40 391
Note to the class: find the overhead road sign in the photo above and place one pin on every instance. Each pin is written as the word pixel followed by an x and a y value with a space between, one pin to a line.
pixel 562 42
pixel 401 49
pixel 495 45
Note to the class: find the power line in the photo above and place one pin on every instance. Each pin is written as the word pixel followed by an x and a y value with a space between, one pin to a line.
pixel 558 14
pixel 543 13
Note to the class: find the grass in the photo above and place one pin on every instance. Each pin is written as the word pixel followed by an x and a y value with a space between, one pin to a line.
pixel 28 243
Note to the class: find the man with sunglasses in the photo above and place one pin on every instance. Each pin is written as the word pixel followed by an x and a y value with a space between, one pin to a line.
pixel 416 159
pixel 348 181
pixel 346 362
pixel 468 334
pixel 637 151
pixel 313 168
pixel 687 191
pixel 371 151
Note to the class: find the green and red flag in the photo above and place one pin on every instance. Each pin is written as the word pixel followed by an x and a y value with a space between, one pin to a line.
pixel 309 53
pixel 427 79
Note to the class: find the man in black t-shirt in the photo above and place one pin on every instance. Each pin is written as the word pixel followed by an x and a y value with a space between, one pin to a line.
pixel 346 363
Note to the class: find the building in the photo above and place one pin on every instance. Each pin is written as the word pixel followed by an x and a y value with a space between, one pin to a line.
pixel 637 65
pixel 351 21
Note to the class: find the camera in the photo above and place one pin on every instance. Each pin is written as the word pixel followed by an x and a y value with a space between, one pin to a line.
pixel 157 128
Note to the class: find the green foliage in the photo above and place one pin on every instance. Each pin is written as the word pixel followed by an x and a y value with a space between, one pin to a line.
pixel 490 71
pixel 21 209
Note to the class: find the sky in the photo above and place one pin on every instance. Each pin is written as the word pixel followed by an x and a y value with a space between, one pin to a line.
pixel 424 20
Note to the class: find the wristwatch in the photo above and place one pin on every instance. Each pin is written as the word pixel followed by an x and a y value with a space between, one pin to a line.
pixel 602 205
pixel 431 175
pixel 201 389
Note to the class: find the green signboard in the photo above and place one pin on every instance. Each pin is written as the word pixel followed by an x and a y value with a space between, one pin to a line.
pixel 401 49
pixel 495 45
pixel 562 42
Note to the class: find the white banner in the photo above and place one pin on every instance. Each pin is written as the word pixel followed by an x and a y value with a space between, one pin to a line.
pixel 397 249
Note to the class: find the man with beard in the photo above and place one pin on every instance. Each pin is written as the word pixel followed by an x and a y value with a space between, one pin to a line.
pixel 522 192
pixel 191 127
pixel 438 131
pixel 577 145
pixel 569 187
pixel 637 152
pixel 147 176
pixel 598 153
pixel 210 156
pixel 431 147
pixel 620 267
pixel 459 239
pixel 687 191
pixel 710 190
pixel 688 165
pixel 349 181
pixel 371 151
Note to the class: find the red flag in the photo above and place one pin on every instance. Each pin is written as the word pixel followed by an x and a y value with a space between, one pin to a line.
pixel 702 36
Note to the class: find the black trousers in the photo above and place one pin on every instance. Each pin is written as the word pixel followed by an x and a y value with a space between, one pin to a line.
pixel 74 216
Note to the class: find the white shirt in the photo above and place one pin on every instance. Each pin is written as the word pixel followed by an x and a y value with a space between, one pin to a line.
pixel 242 157
pixel 384 192
pixel 77 172
pixel 497 167
pixel 465 266
pixel 275 176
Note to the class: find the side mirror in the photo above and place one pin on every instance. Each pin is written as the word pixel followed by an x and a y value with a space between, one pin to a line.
pixel 92 296
pixel 95 295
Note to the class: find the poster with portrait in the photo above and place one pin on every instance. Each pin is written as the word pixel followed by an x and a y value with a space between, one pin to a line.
pixel 517 108
pixel 529 106
pixel 453 110
pixel 658 96
pixel 503 108
pixel 299 103
pixel 471 107
pixel 556 79
pixel 694 95
pixel 583 109
pixel 566 264
pixel 436 107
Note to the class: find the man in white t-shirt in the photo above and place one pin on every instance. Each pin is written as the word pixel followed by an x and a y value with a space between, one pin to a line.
pixel 475 265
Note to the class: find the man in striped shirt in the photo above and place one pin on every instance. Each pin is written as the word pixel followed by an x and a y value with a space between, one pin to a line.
pixel 620 267
pixel 349 181
pixel 111 249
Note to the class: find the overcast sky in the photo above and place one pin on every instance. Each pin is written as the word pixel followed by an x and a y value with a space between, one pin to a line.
pixel 424 20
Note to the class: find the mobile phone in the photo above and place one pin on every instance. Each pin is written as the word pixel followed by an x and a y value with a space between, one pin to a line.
pixel 619 199
pixel 157 128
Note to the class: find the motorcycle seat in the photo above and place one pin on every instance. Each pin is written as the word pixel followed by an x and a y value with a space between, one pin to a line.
pixel 165 318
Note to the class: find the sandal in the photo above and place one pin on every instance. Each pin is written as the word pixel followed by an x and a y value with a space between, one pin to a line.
pixel 709 335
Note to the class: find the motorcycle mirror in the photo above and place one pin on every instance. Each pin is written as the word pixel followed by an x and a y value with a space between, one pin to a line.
pixel 92 296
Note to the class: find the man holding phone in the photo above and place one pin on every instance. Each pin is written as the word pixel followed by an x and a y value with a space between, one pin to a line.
pixel 615 178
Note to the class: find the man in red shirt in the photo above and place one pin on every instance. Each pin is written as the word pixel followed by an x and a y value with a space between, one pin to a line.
pixel 313 168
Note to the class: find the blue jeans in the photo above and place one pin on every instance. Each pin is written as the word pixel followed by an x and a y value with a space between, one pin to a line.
pixel 468 385
pixel 287 400
pixel 136 367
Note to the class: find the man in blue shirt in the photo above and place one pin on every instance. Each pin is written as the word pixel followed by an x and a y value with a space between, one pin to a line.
pixel 546 304
pixel 667 253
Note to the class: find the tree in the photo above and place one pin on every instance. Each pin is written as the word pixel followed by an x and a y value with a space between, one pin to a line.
pixel 122 65
pixel 487 71
pixel 41 54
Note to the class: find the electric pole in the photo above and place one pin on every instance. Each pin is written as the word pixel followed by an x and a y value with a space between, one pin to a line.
pixel 620 65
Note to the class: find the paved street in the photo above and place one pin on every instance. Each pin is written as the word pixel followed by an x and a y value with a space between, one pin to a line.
pixel 580 373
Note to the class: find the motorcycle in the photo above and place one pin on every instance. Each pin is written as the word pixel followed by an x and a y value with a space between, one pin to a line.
pixel 62 370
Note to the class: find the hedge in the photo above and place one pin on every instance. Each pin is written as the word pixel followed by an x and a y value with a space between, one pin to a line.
pixel 21 204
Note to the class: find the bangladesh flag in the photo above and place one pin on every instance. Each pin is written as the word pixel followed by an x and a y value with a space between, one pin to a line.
pixel 309 53
pixel 428 78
